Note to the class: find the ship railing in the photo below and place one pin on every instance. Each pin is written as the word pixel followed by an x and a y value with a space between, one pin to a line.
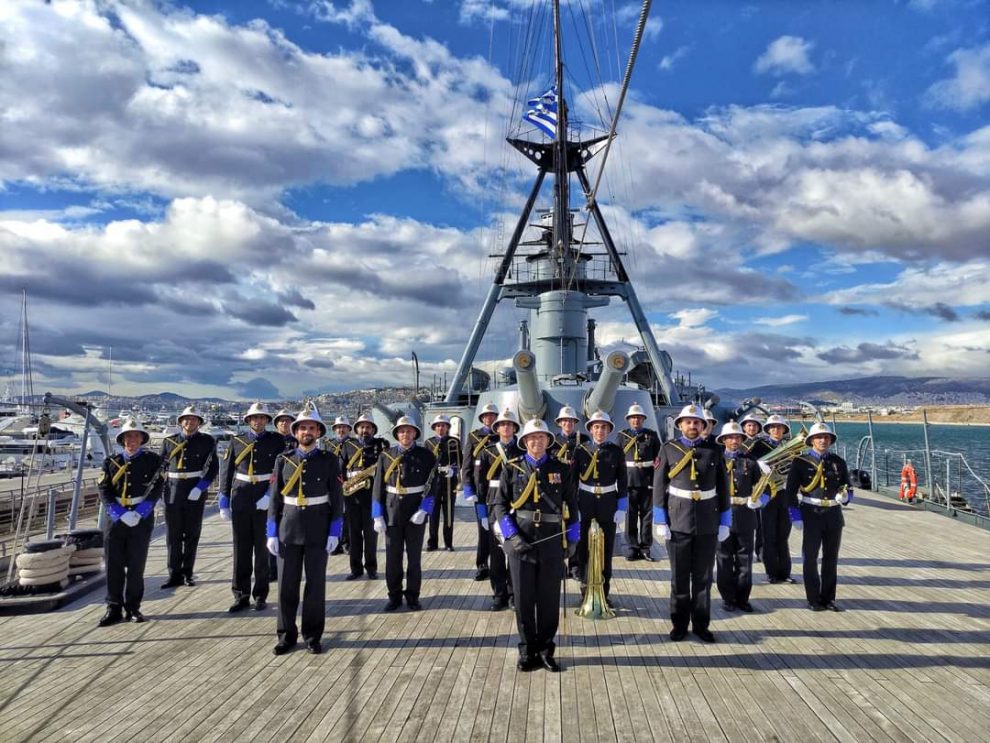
pixel 598 268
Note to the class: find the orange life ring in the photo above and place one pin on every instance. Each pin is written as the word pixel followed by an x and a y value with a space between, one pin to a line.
pixel 909 482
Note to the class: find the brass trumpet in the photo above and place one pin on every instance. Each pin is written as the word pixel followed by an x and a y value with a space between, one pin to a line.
pixel 779 461
pixel 360 481
pixel 594 605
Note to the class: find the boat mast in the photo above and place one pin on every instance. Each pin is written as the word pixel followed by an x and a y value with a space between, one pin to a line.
pixel 561 194
pixel 27 382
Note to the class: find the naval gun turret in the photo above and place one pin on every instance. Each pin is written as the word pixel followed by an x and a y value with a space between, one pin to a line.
pixel 531 401
pixel 602 395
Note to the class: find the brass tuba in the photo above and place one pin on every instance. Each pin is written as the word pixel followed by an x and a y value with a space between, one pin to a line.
pixel 360 481
pixel 779 461
pixel 594 605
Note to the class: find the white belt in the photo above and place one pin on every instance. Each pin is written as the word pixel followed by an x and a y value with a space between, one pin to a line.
pixel 445 468
pixel 306 501
pixel 354 473
pixel 691 494
pixel 739 501
pixel 415 490
pixel 184 475
pixel 253 479
pixel 638 465
pixel 824 502
pixel 130 501
pixel 598 489
pixel 494 484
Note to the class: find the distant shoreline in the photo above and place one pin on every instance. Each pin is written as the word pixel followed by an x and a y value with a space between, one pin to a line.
pixel 883 419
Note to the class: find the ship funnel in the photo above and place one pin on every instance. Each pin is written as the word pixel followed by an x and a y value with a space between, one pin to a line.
pixel 531 402
pixel 602 397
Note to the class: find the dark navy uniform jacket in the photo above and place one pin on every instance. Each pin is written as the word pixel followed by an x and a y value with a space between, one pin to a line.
pixel 125 484
pixel 251 455
pixel 640 449
pixel 601 466
pixel 552 495
pixel 813 477
pixel 357 455
pixel 701 468
pixel 743 473
pixel 476 442
pixel 303 476
pixel 488 473
pixel 562 447
pixel 401 470
pixel 188 456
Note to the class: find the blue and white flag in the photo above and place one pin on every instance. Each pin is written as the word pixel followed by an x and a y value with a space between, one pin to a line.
pixel 543 113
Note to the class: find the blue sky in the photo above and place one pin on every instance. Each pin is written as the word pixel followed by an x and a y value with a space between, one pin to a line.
pixel 277 198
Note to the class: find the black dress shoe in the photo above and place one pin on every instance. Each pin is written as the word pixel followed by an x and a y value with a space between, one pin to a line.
pixel 729 606
pixel 634 556
pixel 498 604
pixel 449 548
pixel 832 606
pixel 283 646
pixel 816 607
pixel 353 576
pixel 481 574
pixel 393 604
pixel 549 663
pixel 134 615
pixel 173 582
pixel 372 575
pixel 260 605
pixel 705 635
pixel 313 647
pixel 239 605
pixel 773 581
pixel 431 548
pixel 413 604
pixel 746 607
pixel 677 634
pixel 788 579
pixel 338 550
pixel 648 557
pixel 188 580
pixel 528 663
pixel 512 603
pixel 112 616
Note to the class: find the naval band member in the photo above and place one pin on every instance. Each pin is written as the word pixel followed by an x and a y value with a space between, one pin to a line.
pixel 447 450
pixel 817 489
pixel 246 471
pixel 476 442
pixel 735 554
pixel 342 434
pixel 640 445
pixel 305 520
pixel 536 509
pixel 600 468
pixel 563 446
pixel 691 511
pixel 775 521
pixel 493 460
pixel 129 486
pixel 192 465
pixel 402 501
pixel 358 455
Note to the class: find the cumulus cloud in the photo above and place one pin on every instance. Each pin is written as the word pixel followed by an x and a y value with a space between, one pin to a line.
pixel 775 322
pixel 967 283
pixel 786 55
pixel 865 352
pixel 969 87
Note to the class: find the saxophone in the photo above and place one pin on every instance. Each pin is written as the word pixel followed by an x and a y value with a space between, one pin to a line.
pixel 360 481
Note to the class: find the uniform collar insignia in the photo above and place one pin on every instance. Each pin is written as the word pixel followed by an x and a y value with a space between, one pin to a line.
pixel 536 462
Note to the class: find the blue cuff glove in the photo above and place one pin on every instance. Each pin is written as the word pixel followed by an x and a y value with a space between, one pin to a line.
pixel 574 532
pixel 336 528
pixel 145 508
pixel 659 515
pixel 726 518
pixel 271 530
pixel 203 484
pixel 468 491
pixel 509 528
pixel 427 504
pixel 795 513
pixel 224 500
pixel 482 511
pixel 116 511
pixel 622 505
pixel 376 510
pixel 764 499
pixel 849 496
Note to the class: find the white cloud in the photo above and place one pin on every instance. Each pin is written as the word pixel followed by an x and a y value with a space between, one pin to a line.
pixel 776 322
pixel 784 55
pixel 969 87
pixel 962 284
pixel 669 60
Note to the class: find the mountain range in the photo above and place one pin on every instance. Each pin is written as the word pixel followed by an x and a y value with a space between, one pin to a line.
pixel 885 390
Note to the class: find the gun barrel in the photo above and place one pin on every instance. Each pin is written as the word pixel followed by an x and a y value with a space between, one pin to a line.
pixel 531 402
pixel 602 397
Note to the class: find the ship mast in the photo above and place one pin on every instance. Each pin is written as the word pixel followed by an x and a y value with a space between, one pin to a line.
pixel 561 194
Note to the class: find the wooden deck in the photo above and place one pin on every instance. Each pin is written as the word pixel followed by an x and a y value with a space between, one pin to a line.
pixel 909 660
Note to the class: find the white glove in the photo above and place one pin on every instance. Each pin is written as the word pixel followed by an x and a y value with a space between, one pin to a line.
pixel 662 531
pixel 471 499
pixel 262 503
pixel 332 544
pixel 619 518
pixel 131 518
pixel 484 524
pixel 419 518
pixel 225 514
pixel 841 497
pixel 380 525
pixel 272 544
pixel 195 494
pixel 723 533
pixel 764 467
pixel 753 505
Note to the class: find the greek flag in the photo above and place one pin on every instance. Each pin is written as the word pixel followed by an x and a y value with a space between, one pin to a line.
pixel 543 112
